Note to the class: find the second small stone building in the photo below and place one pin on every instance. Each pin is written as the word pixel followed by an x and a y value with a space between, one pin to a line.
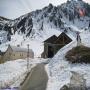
pixel 14 52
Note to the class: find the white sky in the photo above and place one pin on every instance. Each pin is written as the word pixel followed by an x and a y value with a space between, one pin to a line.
pixel 15 8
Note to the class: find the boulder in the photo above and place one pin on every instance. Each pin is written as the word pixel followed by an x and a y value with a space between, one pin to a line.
pixel 77 82
pixel 65 87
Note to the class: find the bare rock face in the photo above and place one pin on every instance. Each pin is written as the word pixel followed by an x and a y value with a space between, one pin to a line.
pixel 77 82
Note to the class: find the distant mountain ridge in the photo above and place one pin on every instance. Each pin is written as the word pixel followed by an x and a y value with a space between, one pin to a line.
pixel 55 17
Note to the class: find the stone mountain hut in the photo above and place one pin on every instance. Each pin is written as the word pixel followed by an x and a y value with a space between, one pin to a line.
pixel 54 43
pixel 14 52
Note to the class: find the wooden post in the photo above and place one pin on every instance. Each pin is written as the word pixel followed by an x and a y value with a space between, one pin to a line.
pixel 28 58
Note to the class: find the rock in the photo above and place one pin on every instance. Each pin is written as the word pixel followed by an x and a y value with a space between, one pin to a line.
pixel 77 82
pixel 65 87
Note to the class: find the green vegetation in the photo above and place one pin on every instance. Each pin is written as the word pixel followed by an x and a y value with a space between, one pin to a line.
pixel 79 54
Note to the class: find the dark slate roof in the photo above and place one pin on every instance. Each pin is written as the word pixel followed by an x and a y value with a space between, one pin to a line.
pixel 52 39
pixel 19 49
pixel 61 36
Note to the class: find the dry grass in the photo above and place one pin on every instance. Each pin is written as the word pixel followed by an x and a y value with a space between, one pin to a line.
pixel 79 54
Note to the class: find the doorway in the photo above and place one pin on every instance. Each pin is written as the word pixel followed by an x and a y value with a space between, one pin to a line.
pixel 50 52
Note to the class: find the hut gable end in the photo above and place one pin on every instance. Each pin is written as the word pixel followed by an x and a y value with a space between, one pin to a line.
pixel 9 49
pixel 52 39
pixel 63 39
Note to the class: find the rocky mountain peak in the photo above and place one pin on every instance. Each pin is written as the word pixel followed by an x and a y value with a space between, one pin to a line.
pixel 55 17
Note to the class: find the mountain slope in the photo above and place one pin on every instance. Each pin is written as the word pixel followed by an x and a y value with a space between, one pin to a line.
pixel 57 17
pixel 73 12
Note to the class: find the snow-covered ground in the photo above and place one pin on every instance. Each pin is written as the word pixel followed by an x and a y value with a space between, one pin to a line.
pixel 12 73
pixel 86 38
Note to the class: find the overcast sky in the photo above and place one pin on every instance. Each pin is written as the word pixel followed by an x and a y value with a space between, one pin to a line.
pixel 15 8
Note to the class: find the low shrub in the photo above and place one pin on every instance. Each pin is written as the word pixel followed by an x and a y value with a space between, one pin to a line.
pixel 79 54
